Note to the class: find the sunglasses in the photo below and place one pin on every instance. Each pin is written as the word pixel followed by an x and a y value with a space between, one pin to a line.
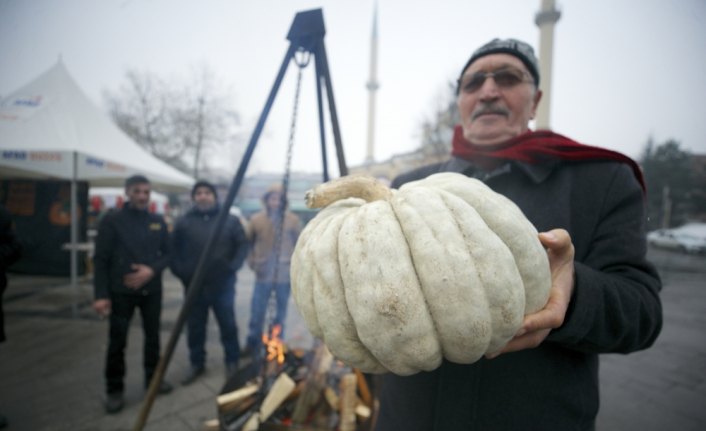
pixel 505 78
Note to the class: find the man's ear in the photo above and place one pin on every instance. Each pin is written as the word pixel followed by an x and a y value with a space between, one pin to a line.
pixel 535 102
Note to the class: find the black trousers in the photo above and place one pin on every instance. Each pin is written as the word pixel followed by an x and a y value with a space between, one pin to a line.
pixel 123 307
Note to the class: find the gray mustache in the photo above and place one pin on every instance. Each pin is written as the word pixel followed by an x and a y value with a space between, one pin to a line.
pixel 490 110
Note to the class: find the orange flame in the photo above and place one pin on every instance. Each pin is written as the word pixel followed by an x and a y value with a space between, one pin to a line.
pixel 274 345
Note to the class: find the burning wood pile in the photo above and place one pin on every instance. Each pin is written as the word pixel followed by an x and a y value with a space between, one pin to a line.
pixel 295 390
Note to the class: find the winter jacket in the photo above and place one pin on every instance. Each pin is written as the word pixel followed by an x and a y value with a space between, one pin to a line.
pixel 189 238
pixel 615 308
pixel 262 232
pixel 129 236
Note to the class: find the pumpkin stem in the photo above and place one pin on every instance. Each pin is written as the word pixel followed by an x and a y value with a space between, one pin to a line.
pixel 352 186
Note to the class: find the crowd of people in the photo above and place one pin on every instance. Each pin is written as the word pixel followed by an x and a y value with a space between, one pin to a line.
pixel 133 247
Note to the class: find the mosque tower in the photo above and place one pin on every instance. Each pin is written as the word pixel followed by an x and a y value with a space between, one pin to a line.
pixel 372 86
pixel 545 19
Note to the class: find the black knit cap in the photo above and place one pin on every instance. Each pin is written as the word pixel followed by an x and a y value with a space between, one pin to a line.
pixel 514 47
pixel 204 183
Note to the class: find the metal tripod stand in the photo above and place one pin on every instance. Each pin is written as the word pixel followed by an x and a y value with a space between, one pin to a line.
pixel 306 34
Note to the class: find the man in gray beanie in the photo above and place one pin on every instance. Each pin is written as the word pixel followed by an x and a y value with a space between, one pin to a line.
pixel 218 284
pixel 588 205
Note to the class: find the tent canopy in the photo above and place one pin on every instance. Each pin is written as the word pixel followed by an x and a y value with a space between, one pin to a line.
pixel 50 125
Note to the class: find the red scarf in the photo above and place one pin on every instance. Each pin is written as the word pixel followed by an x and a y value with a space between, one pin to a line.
pixel 535 147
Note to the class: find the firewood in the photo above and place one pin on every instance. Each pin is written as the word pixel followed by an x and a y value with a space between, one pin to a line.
pixel 363 388
pixel 349 399
pixel 230 401
pixel 315 382
pixel 279 427
pixel 211 425
pixel 282 387
pixel 279 391
pixel 332 398
pixel 252 424
pixel 363 412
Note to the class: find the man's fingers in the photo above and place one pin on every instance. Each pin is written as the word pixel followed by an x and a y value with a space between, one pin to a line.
pixel 529 340
pixel 556 240
pixel 551 316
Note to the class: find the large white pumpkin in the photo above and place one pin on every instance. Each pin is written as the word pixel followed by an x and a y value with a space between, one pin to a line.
pixel 394 280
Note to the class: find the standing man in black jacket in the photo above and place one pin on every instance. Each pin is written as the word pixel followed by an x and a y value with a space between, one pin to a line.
pixel 218 285
pixel 132 250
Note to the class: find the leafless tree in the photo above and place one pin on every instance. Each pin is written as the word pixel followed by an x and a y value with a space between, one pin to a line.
pixel 177 123
pixel 437 128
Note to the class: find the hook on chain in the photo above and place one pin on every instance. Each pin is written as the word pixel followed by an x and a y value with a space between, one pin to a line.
pixel 304 56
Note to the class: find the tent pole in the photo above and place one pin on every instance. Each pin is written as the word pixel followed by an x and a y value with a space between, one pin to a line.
pixel 74 236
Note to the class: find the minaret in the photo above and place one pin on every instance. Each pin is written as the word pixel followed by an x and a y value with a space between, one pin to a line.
pixel 545 19
pixel 372 86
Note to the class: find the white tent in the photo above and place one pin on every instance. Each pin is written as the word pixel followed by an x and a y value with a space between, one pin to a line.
pixel 49 129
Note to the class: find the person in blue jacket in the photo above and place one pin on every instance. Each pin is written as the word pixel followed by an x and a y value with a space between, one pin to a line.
pixel 217 290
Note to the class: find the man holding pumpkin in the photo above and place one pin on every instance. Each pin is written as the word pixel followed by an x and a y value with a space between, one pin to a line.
pixel 587 202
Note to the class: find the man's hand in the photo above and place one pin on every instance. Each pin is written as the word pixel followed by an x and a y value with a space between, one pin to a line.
pixel 139 278
pixel 536 326
pixel 102 307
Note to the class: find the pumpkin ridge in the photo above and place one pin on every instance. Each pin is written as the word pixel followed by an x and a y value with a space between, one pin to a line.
pixel 444 195
pixel 380 291
pixel 509 223
pixel 501 296
pixel 304 292
pixel 416 273
pixel 344 327
pixel 456 316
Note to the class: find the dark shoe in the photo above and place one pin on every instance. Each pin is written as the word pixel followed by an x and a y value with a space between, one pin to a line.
pixel 114 403
pixel 164 388
pixel 3 421
pixel 193 374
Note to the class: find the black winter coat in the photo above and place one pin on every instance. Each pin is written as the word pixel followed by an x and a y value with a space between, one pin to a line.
pixel 189 240
pixel 129 236
pixel 615 308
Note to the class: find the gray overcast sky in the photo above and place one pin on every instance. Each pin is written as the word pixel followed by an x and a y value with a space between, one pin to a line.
pixel 624 70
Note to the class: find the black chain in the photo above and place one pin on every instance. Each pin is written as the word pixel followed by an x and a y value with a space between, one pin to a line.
pixel 279 228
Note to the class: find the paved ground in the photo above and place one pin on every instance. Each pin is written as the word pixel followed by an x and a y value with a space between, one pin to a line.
pixel 51 365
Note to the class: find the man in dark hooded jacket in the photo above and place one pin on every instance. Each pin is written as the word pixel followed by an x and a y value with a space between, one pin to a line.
pixel 218 284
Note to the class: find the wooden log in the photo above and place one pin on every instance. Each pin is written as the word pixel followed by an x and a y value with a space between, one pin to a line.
pixel 211 425
pixel 363 412
pixel 363 388
pixel 230 401
pixel 236 410
pixel 349 399
pixel 314 384
pixel 332 398
pixel 282 387
pixel 280 427
pixel 253 424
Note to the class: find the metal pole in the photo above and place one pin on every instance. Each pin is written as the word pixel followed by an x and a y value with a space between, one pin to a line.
pixel 195 285
pixel 319 84
pixel 321 51
pixel 74 237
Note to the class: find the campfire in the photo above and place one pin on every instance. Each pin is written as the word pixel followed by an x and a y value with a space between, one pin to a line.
pixel 285 389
